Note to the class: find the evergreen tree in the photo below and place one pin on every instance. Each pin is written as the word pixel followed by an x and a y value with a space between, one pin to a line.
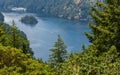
pixel 18 41
pixel 14 62
pixel 3 38
pixel 59 52
pixel 105 27
pixel 13 34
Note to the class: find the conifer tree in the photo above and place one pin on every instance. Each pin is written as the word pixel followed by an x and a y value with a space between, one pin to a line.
pixel 13 34
pixel 17 41
pixel 59 52
pixel 105 27
pixel 3 37
pixel 14 62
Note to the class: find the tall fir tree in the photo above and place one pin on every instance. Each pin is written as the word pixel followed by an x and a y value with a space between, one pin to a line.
pixel 13 35
pixel 18 41
pixel 59 52
pixel 105 27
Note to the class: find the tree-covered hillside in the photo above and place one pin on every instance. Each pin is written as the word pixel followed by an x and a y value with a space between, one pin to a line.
pixel 69 9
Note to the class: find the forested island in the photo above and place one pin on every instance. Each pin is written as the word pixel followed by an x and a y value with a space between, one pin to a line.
pixel 101 57
pixel 29 19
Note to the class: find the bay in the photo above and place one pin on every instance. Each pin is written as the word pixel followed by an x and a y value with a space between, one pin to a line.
pixel 43 35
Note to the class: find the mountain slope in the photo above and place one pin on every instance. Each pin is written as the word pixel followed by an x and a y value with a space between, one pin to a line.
pixel 70 9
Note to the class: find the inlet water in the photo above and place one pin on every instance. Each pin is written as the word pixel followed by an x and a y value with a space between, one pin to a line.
pixel 43 35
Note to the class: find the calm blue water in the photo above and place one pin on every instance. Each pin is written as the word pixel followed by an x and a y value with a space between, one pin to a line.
pixel 43 35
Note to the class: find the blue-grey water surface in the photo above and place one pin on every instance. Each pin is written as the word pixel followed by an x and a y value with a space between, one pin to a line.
pixel 43 35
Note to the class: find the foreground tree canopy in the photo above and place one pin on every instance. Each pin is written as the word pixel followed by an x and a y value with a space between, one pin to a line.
pixel 12 36
pixel 15 54
pixel 102 57
pixel 14 62
pixel 59 52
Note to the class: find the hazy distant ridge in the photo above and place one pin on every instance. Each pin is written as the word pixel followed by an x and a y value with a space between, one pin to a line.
pixel 70 9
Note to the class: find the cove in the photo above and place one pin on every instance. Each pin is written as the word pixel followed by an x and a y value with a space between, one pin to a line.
pixel 43 35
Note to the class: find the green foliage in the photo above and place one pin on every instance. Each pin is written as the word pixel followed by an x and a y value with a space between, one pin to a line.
pixel 3 38
pixel 59 52
pixel 102 57
pixel 15 58
pixel 12 36
pixel 88 63
pixel 15 62
pixel 17 41
pixel 58 56
pixel 105 26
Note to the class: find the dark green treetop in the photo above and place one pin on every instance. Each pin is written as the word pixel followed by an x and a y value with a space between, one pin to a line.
pixel 59 52
pixel 105 27
pixel 12 36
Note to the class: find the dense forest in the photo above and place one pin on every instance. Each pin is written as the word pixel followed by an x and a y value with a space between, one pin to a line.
pixel 69 9
pixel 101 57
